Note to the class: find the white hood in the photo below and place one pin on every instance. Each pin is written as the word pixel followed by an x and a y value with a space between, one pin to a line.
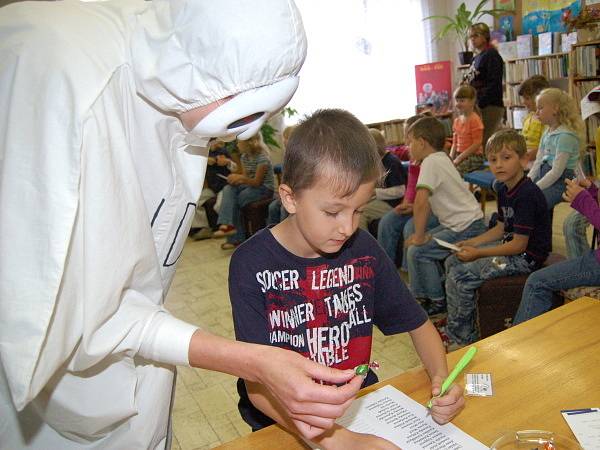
pixel 181 59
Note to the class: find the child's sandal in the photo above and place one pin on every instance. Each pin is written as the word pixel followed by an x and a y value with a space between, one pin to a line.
pixel 229 245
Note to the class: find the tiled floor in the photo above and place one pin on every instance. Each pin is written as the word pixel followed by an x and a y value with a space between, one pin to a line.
pixel 205 411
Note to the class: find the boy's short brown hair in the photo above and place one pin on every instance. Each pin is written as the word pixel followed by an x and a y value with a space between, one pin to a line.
pixel 332 144
pixel 533 85
pixel 508 138
pixel 431 130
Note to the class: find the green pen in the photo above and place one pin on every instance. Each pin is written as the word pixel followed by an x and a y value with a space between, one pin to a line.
pixel 467 357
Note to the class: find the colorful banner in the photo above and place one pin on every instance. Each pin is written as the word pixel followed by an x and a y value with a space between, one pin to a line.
pixel 434 86
pixel 540 16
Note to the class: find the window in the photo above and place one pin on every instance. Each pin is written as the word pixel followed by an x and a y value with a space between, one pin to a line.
pixel 361 57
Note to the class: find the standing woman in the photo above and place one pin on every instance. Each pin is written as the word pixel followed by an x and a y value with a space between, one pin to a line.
pixel 485 75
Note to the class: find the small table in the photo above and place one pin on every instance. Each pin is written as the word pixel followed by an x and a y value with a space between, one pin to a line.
pixel 539 367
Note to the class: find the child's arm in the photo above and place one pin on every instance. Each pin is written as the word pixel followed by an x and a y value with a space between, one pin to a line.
pixel 429 346
pixel 491 235
pixel 259 176
pixel 453 148
pixel 584 201
pixel 421 212
pixel 535 168
pixel 337 437
pixel 558 167
pixel 516 246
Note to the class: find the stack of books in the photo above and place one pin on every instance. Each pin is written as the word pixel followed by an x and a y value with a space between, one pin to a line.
pixel 587 61
pixel 553 67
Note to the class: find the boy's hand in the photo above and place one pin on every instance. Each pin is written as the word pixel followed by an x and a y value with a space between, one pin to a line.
pixel 403 209
pixel 467 253
pixel 344 439
pixel 222 160
pixel 313 407
pixel 234 178
pixel 211 161
pixel 415 239
pixel 573 189
pixel 445 408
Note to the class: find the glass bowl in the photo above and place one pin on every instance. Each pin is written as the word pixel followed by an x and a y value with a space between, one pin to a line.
pixel 534 440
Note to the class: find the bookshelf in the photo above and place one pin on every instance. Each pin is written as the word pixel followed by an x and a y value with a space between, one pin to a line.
pixel 584 75
pixel 393 130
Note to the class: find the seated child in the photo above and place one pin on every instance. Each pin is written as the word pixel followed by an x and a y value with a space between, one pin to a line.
pixel 467 149
pixel 254 183
pixel 395 223
pixel 576 272
pixel 316 285
pixel 532 127
pixel 390 194
pixel 219 166
pixel 441 191
pixel 518 244
pixel 276 210
pixel 560 143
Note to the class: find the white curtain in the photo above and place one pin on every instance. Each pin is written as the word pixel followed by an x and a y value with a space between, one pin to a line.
pixel 361 57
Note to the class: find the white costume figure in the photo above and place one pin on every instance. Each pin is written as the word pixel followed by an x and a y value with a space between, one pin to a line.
pixel 98 188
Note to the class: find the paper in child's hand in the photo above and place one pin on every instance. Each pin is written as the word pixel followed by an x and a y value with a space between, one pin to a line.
pixel 442 243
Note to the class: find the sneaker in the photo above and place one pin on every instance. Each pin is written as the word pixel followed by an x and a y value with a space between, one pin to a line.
pixel 224 230
pixel 434 308
pixel 202 233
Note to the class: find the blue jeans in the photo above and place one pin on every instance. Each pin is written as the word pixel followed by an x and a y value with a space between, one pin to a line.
pixel 537 294
pixel 394 228
pixel 234 199
pixel 553 193
pixel 464 278
pixel 574 231
pixel 425 261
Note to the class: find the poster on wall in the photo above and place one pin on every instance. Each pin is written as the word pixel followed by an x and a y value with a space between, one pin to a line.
pixel 434 87
pixel 505 5
pixel 541 16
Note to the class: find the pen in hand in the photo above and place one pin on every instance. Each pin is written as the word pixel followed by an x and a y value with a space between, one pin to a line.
pixel 467 357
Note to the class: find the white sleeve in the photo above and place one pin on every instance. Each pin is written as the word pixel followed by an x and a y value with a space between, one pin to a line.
pixel 429 175
pixel 535 168
pixel 164 339
pixel 558 167
pixel 391 193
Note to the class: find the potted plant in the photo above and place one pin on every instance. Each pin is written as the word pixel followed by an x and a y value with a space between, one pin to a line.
pixel 461 23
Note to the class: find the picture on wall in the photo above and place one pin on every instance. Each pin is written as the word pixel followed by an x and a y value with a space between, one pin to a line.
pixel 506 5
pixel 434 87
pixel 541 16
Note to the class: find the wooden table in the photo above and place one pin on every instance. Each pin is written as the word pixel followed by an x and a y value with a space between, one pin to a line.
pixel 538 368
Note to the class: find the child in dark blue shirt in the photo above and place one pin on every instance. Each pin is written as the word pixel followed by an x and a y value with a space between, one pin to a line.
pixel 519 242
pixel 315 285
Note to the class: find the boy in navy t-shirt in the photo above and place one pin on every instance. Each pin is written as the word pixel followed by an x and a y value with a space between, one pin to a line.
pixel 518 244
pixel 315 285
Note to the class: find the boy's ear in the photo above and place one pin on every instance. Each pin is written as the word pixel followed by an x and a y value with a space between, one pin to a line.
pixel 288 199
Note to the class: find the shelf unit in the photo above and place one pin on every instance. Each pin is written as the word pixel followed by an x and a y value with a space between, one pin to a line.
pixel 584 75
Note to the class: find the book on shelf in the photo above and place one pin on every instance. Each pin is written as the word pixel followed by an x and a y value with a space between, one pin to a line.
pixel 552 67
pixel 517 116
pixel 567 41
pixel 508 50
pixel 525 45
pixel 587 60
pixel 548 43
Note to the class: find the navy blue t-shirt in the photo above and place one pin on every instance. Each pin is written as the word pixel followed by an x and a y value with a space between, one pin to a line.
pixel 323 308
pixel 523 211
pixel 395 176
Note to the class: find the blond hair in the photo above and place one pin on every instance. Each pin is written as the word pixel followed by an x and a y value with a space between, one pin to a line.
pixel 379 140
pixel 568 113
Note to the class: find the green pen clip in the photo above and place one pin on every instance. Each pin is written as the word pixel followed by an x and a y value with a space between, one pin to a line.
pixel 467 357
pixel 363 369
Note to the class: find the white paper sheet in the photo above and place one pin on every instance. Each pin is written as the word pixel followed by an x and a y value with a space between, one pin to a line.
pixel 390 414
pixel 452 247
pixel 585 424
